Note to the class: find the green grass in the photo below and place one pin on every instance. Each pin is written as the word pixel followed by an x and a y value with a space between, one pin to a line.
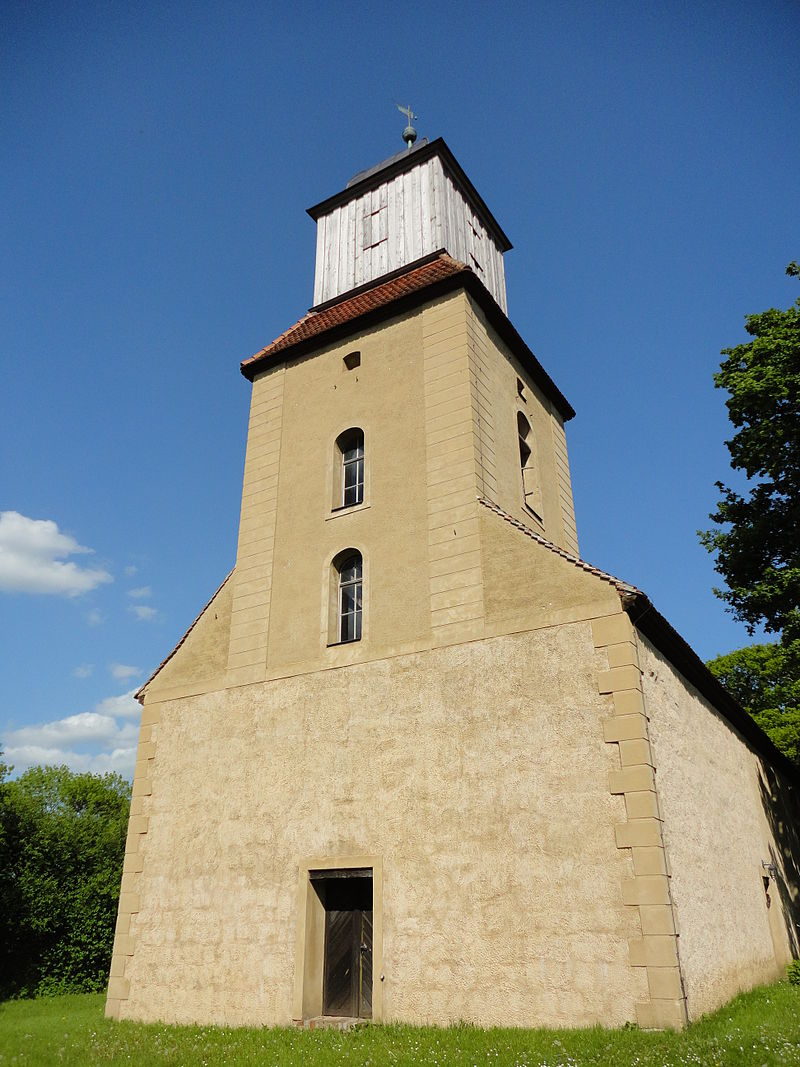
pixel 758 1028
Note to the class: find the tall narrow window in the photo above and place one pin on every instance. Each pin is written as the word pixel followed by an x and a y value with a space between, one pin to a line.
pixel 349 593
pixel 531 491
pixel 350 448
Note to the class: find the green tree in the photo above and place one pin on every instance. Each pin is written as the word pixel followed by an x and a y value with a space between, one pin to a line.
pixel 766 682
pixel 757 545
pixel 756 541
pixel 60 868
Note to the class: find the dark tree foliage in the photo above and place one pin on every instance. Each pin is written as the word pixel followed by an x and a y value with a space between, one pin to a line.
pixel 62 841
pixel 757 542
pixel 757 545
pixel 765 679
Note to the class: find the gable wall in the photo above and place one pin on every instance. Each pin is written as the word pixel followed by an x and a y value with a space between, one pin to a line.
pixel 478 773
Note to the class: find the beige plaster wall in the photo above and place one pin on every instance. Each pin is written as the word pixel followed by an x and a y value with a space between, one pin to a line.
pixel 496 401
pixel 384 397
pixel 529 585
pixel 716 835
pixel 201 658
pixel 478 773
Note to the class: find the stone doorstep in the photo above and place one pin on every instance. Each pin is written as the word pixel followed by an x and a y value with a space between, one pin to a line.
pixel 330 1022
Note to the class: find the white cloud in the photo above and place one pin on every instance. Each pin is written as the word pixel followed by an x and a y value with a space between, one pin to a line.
pixel 141 593
pixel 74 729
pixel 95 617
pixel 125 706
pixel 122 672
pixel 83 670
pixel 121 760
pixel 31 558
pixel 130 570
pixel 143 612
pixel 99 740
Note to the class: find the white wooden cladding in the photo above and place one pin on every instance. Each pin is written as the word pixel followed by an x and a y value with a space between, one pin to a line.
pixel 409 216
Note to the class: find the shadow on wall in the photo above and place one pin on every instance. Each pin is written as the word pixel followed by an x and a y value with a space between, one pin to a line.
pixel 782 808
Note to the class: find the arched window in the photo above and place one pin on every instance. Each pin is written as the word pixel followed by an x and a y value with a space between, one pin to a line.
pixel 349 479
pixel 531 490
pixel 347 567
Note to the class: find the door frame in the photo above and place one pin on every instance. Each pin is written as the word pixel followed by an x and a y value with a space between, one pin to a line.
pixel 310 934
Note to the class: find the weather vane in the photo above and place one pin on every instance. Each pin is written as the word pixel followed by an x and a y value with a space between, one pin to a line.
pixel 409 133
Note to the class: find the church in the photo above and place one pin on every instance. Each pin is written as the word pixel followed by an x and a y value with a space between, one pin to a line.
pixel 416 760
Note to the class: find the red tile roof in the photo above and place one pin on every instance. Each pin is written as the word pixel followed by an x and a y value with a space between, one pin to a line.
pixel 350 308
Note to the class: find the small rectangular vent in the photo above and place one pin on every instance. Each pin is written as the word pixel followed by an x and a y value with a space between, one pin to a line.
pixel 352 360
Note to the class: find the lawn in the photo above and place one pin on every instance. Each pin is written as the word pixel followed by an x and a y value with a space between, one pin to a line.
pixel 758 1028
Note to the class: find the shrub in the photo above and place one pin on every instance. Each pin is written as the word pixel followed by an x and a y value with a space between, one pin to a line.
pixel 62 842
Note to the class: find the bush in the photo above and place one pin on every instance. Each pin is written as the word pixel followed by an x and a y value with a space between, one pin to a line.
pixel 62 842
pixel 793 971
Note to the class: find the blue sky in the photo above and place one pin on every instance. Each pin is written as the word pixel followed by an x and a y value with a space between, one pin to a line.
pixel 157 163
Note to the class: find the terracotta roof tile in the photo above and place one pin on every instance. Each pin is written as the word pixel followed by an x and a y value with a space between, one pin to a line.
pixel 349 308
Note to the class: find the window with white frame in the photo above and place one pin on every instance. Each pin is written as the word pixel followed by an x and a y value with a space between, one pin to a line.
pixel 349 589
pixel 350 473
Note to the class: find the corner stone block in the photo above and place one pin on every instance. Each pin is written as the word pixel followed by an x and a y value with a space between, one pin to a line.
pixel 117 966
pixel 142 787
pixel 642 805
pixel 653 952
pixel 638 832
pixel 618 678
pixel 128 903
pixel 632 779
pixel 133 863
pixel 661 1015
pixel 623 655
pixel 635 753
pixel 648 889
pixel 119 989
pixel 612 630
pixel 123 945
pixel 137 824
pixel 146 750
pixel 151 714
pixel 142 768
pixel 112 1008
pixel 650 860
pixel 625 728
pixel 657 920
pixel 128 883
pixel 664 983
pixel 629 702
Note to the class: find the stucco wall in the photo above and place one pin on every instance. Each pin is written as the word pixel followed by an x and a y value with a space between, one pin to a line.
pixel 478 773
pixel 716 833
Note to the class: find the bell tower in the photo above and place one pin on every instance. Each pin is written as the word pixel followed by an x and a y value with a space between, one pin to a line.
pixel 408 376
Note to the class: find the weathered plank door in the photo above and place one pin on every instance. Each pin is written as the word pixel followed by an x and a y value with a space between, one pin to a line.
pixel 347 984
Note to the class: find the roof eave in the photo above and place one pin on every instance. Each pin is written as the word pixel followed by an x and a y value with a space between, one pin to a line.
pixel 652 624
pixel 466 279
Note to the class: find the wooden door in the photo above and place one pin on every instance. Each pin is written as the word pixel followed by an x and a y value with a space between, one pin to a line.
pixel 347 983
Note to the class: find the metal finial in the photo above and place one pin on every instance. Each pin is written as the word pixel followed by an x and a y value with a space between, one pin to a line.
pixel 409 133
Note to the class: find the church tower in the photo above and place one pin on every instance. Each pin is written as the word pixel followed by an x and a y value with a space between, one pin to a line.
pixel 400 767
pixel 408 360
